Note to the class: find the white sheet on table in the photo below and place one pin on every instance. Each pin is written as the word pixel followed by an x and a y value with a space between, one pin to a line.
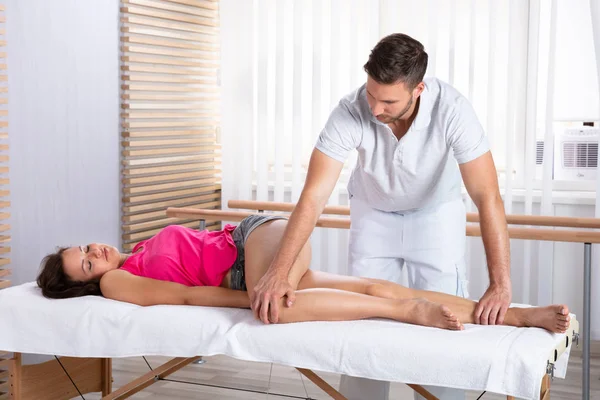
pixel 498 359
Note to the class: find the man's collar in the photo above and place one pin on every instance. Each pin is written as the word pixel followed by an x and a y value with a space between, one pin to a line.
pixel 423 117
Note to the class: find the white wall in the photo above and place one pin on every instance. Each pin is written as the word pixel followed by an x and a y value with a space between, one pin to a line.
pixel 63 69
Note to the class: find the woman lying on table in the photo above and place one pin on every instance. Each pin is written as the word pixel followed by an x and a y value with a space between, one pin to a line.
pixel 184 266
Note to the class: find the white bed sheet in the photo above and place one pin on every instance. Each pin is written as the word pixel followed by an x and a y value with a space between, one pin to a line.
pixel 498 359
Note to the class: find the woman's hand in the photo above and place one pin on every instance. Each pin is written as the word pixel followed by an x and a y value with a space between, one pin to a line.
pixel 267 293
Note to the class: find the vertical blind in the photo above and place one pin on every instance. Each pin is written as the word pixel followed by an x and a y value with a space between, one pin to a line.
pixel 170 112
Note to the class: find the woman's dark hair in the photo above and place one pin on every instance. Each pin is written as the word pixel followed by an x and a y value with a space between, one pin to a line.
pixel 55 283
pixel 397 58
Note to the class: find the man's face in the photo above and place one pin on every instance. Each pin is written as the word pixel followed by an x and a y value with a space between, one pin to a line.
pixel 391 102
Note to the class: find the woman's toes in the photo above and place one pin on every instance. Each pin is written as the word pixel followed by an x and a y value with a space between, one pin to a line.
pixel 564 310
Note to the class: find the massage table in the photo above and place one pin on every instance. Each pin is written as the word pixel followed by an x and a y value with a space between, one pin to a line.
pixel 88 332
pixel 506 360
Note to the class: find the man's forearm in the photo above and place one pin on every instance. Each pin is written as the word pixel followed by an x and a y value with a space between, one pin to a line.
pixel 494 233
pixel 300 225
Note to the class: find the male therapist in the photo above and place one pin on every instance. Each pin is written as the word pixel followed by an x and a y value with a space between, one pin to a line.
pixel 415 139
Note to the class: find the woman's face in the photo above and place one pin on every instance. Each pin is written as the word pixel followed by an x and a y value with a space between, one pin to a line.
pixel 90 261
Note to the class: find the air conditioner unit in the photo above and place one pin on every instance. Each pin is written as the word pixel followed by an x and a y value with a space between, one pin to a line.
pixel 576 153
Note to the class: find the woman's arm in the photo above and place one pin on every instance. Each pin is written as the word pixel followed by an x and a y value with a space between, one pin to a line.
pixel 123 286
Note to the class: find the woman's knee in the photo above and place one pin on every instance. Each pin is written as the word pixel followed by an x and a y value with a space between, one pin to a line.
pixel 285 314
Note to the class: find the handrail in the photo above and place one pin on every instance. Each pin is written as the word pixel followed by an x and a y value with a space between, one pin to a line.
pixel 533 220
pixel 220 215
pixel 555 235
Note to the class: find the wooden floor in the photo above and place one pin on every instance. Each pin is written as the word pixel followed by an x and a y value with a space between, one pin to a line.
pixel 226 378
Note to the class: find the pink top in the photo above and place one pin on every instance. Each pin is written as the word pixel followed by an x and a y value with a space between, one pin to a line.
pixel 184 255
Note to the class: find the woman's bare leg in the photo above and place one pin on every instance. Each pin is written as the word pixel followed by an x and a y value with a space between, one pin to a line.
pixel 553 318
pixel 260 250
pixel 330 304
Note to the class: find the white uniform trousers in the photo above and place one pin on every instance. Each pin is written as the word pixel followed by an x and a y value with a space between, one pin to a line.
pixel 429 243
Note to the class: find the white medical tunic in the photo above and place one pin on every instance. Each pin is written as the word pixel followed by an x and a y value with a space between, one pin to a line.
pixel 420 170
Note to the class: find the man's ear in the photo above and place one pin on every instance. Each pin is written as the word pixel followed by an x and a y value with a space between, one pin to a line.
pixel 418 90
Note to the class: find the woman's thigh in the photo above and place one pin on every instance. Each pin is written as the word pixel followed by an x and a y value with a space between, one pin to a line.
pixel 260 249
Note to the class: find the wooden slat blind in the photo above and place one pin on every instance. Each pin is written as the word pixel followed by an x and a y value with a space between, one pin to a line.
pixel 4 150
pixel 170 112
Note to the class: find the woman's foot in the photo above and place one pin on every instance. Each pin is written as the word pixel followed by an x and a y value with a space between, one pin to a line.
pixel 554 318
pixel 426 313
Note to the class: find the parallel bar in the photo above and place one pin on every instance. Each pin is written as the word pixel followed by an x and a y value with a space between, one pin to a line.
pixel 587 318
pixel 219 215
pixel 534 220
pixel 472 230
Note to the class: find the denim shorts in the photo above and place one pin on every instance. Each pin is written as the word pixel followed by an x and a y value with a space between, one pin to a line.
pixel 240 236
